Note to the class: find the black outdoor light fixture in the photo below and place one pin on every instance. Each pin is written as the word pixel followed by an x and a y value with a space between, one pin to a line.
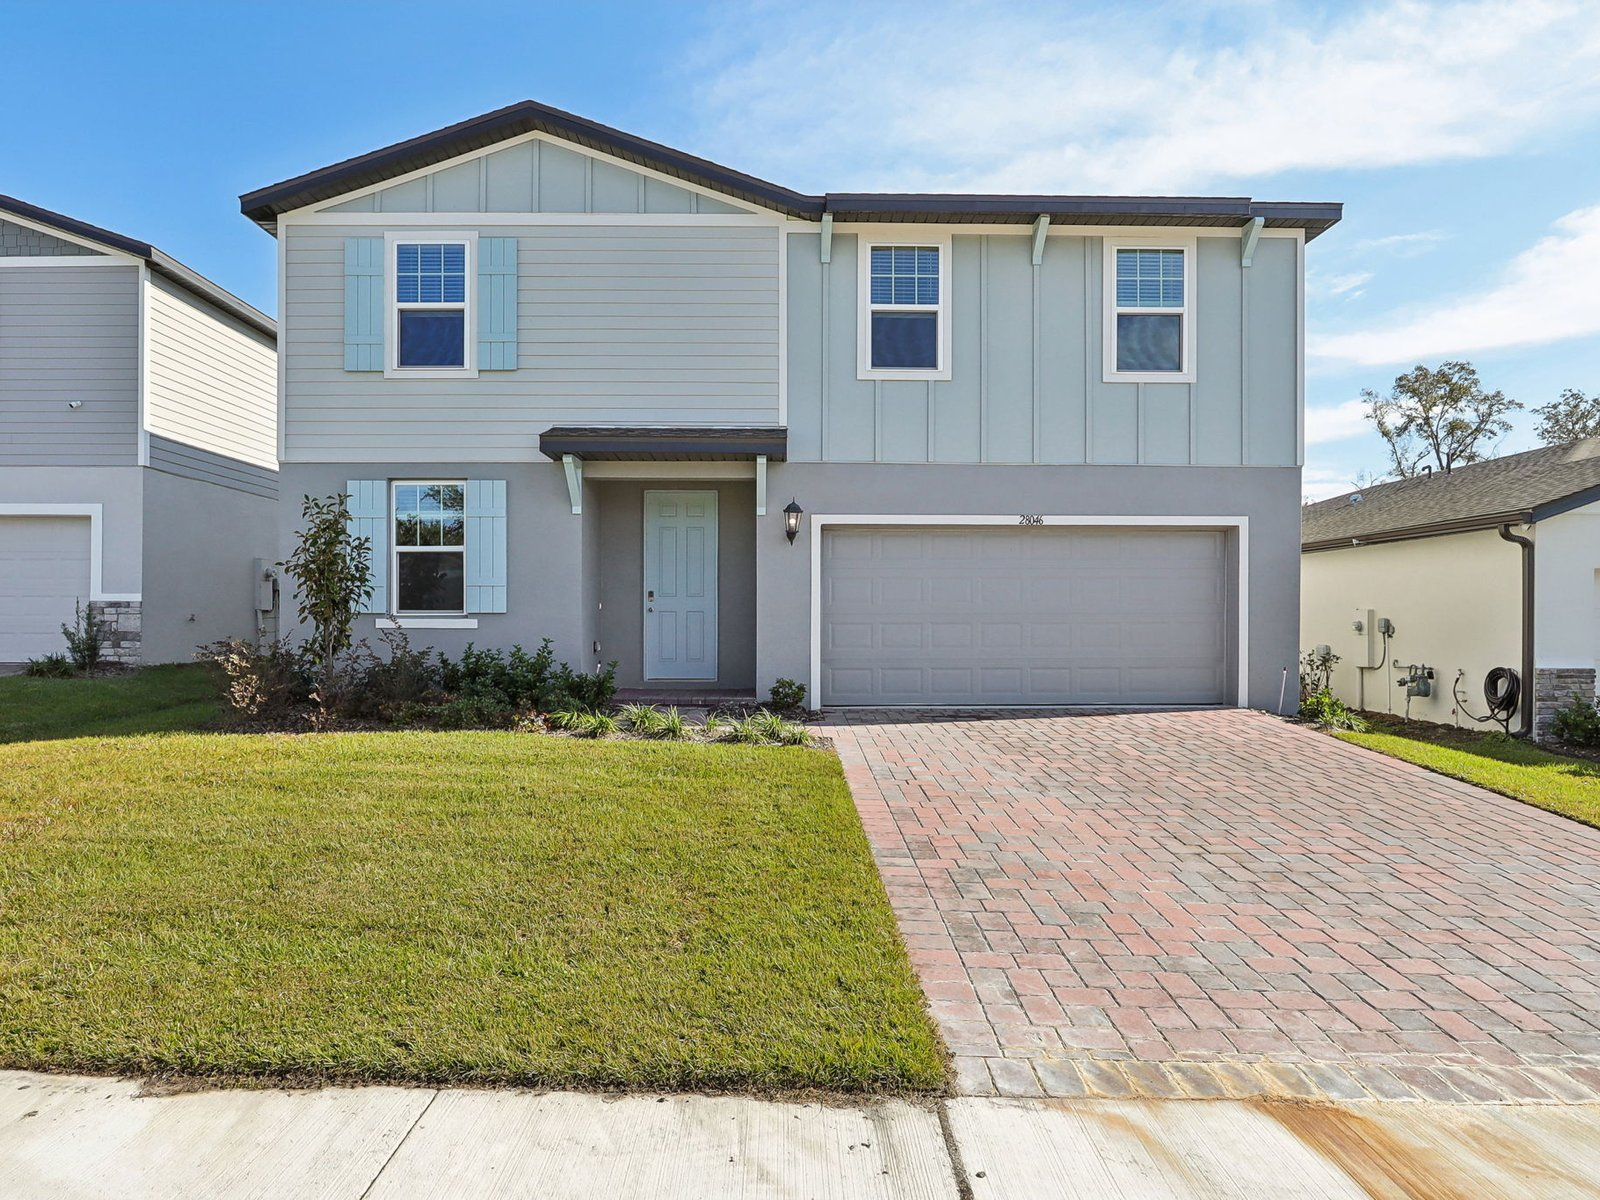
pixel 792 513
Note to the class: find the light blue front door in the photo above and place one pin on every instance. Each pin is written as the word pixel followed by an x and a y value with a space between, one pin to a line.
pixel 680 585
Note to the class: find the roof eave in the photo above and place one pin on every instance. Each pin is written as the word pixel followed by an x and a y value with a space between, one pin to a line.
pixel 1430 529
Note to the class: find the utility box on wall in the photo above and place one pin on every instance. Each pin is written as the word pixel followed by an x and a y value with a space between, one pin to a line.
pixel 1365 649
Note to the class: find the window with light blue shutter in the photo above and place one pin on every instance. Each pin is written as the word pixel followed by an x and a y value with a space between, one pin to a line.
pixel 486 545
pixel 497 304
pixel 368 509
pixel 363 304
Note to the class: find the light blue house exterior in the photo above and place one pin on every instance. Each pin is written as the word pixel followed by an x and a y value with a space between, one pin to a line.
pixel 1043 449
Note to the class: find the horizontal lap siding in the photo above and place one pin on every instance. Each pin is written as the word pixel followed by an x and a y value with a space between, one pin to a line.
pixel 634 325
pixel 69 334
pixel 213 386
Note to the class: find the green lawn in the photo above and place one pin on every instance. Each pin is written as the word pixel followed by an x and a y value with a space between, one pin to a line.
pixel 148 701
pixel 492 907
pixel 1569 786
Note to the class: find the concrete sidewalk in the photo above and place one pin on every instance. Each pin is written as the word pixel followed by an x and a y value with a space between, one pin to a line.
pixel 64 1136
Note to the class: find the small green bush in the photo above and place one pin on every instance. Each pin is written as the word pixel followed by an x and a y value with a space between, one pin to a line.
pixel 268 683
pixel 673 727
pixel 480 711
pixel 643 719
pixel 591 690
pixel 1578 722
pixel 786 695
pixel 1325 710
pixel 86 638
pixel 582 723
pixel 51 666
pixel 763 728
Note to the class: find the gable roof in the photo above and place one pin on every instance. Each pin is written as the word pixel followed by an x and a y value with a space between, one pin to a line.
pixel 163 264
pixel 264 205
pixel 1519 489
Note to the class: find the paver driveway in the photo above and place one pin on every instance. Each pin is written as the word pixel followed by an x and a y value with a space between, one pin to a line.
pixel 1217 902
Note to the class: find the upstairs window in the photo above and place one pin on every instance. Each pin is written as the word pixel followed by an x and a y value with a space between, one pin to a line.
pixel 1148 322
pixel 904 334
pixel 430 294
pixel 430 547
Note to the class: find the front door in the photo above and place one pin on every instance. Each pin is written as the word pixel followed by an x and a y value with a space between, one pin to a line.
pixel 680 585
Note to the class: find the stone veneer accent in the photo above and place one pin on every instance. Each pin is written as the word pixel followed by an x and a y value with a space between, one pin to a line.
pixel 124 629
pixel 1554 687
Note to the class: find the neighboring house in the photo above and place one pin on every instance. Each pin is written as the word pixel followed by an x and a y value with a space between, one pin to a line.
pixel 578 385
pixel 1496 564
pixel 138 468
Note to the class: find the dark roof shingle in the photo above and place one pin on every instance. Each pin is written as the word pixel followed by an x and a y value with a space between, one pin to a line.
pixel 1528 486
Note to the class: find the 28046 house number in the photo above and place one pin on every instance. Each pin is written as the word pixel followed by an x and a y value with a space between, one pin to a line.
pixel 1030 519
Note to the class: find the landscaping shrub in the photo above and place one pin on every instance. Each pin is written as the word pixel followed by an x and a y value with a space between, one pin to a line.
pixel 407 681
pixel 86 638
pixel 332 573
pixel 267 684
pixel 1316 673
pixel 1578 722
pixel 1325 710
pixel 591 690
pixel 787 696
pixel 472 711
pixel 51 666
pixel 763 728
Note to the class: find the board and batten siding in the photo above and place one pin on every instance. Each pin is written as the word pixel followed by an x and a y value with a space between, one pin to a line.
pixel 69 334
pixel 212 383
pixel 615 324
pixel 536 176
pixel 1027 382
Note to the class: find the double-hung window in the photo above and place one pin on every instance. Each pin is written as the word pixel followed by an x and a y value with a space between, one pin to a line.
pixel 904 327
pixel 430 547
pixel 1149 316
pixel 431 316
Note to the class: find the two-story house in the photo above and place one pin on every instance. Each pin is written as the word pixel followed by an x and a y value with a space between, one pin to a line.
pixel 138 455
pixel 906 449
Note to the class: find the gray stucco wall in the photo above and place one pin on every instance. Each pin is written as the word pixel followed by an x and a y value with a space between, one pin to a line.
pixel 544 550
pixel 618 515
pixel 199 542
pixel 67 334
pixel 120 493
pixel 1269 497
pixel 1026 380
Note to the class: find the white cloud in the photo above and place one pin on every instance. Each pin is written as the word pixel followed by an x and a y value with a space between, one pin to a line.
pixel 1406 245
pixel 1336 422
pixel 1318 483
pixel 1143 99
pixel 1347 285
pixel 1546 294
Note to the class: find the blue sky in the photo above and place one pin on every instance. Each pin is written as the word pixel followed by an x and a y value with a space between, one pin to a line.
pixel 1463 138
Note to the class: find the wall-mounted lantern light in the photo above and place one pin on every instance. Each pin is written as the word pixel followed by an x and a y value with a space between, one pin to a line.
pixel 792 513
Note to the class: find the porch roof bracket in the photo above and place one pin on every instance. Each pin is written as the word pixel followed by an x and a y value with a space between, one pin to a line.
pixel 1040 227
pixel 1248 237
pixel 761 485
pixel 825 254
pixel 573 465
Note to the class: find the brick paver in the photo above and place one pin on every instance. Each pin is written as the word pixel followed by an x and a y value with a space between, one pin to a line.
pixel 1219 903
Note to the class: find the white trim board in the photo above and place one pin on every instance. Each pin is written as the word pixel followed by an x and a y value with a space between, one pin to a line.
pixel 1239 524
pixel 95 513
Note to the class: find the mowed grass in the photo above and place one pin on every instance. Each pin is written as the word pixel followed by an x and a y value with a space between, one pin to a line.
pixel 1561 784
pixel 156 698
pixel 486 907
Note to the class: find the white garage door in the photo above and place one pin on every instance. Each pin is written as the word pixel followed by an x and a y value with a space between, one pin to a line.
pixel 1051 615
pixel 44 571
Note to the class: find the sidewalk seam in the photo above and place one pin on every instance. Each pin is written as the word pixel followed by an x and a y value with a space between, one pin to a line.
pixel 957 1167
pixel 373 1182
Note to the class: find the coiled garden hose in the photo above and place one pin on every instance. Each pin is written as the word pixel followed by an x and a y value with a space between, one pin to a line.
pixel 1502 692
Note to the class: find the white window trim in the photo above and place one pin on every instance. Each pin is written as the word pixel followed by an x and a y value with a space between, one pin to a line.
pixel 865 308
pixel 1108 309
pixel 412 616
pixel 469 334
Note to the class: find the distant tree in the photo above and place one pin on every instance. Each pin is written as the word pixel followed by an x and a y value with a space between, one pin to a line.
pixel 1439 419
pixel 1569 419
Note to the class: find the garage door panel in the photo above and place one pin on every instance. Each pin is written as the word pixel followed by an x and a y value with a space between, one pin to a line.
pixel 1039 616
pixel 44 574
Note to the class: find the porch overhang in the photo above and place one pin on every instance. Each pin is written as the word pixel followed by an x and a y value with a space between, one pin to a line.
pixel 676 443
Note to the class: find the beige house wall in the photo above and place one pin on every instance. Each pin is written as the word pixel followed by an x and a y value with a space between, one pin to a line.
pixel 1456 605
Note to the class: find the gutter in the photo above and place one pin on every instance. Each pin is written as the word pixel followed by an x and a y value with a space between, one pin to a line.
pixel 1526 714
pixel 1431 529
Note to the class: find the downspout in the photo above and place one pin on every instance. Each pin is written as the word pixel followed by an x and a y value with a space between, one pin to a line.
pixel 1526 715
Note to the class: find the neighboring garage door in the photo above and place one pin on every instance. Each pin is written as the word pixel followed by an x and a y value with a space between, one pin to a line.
pixel 1051 615
pixel 44 571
